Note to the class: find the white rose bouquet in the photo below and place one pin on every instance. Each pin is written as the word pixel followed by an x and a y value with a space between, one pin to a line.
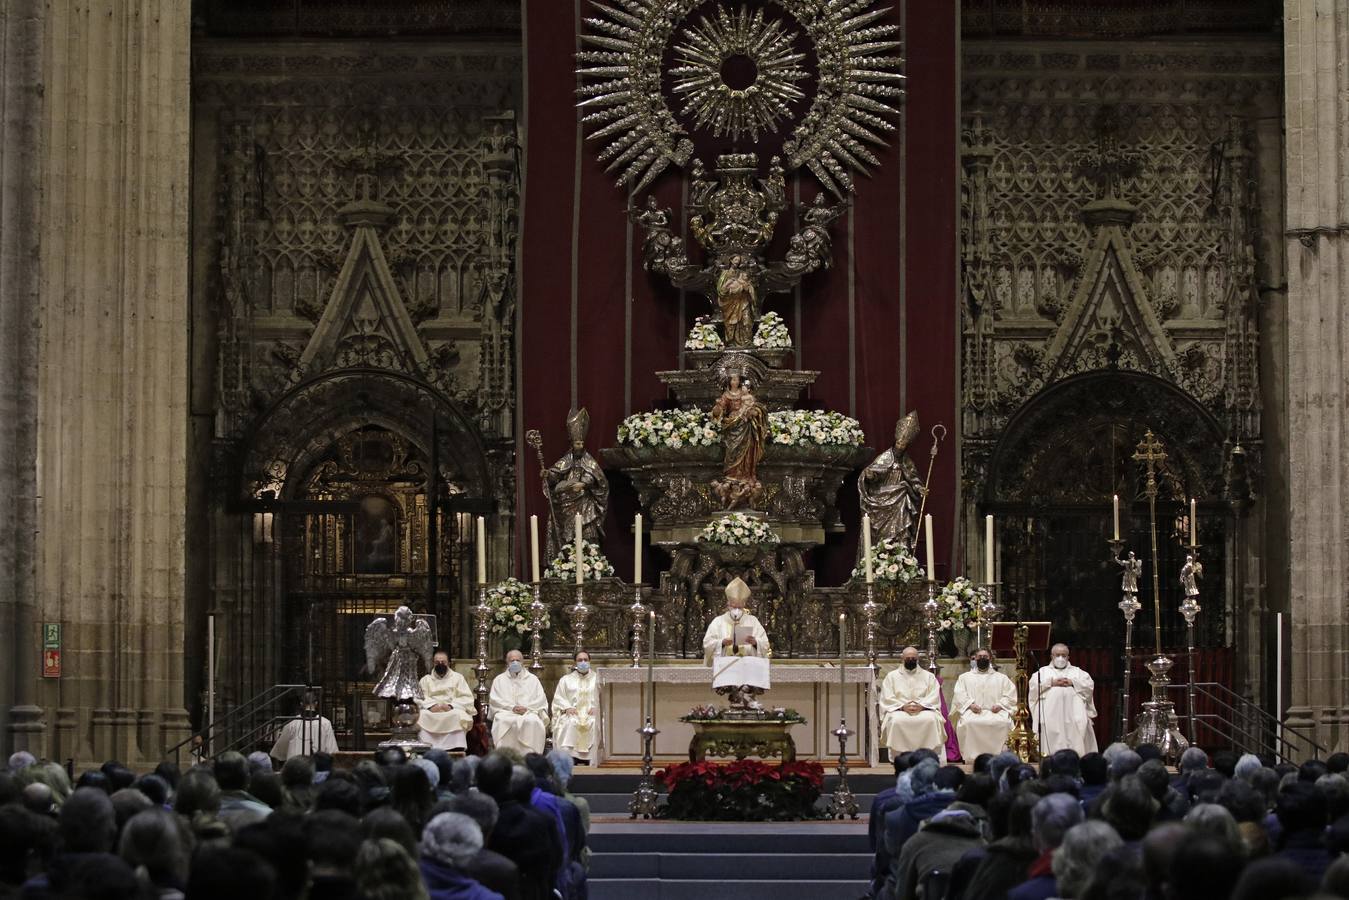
pixel 891 563
pixel 772 334
pixel 738 530
pixel 509 601
pixel 671 429
pixel 801 427
pixel 958 602
pixel 704 336
pixel 593 564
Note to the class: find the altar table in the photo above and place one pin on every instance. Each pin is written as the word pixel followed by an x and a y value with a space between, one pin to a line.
pixel 811 689
pixel 741 738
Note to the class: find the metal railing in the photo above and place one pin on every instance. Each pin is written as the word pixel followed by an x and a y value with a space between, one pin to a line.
pixel 1235 720
pixel 254 720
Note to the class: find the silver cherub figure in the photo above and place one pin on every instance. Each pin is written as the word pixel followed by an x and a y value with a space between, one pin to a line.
pixel 1133 568
pixel 1192 570
pixel 397 648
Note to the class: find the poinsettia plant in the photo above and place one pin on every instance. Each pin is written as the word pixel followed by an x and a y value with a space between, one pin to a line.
pixel 594 565
pixel 509 601
pixel 747 790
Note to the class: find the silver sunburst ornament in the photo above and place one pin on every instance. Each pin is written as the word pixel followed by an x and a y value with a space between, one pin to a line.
pixel 857 89
pixel 763 48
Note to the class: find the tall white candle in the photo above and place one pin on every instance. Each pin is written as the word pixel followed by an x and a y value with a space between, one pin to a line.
pixel 866 546
pixel 1115 501
pixel 1194 524
pixel 927 528
pixel 637 549
pixel 988 550
pixel 842 652
pixel 534 546
pixel 482 550
pixel 580 550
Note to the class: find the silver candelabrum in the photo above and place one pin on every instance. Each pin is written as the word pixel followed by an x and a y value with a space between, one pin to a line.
pixel 536 614
pixel 931 617
pixel 482 615
pixel 1190 609
pixel 638 613
pixel 579 613
pixel 989 609
pixel 646 798
pixel 870 609
pixel 843 803
pixel 1130 606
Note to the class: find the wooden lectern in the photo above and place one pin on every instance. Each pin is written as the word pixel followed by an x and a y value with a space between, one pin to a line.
pixel 1019 639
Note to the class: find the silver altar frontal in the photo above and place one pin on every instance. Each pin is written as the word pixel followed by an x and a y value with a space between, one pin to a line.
pixel 812 690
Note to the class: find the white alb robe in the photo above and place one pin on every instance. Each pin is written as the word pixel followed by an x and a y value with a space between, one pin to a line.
pixel 1063 715
pixel 984 731
pixel 575 732
pixel 305 737
pixel 445 730
pixel 526 732
pixel 901 731
pixel 723 627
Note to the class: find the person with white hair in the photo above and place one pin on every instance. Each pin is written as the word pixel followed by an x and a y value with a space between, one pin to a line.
pixel 1062 705
pixel 1051 818
pixel 21 759
pixel 1081 852
pixel 1246 766
pixel 449 842
pixel 519 708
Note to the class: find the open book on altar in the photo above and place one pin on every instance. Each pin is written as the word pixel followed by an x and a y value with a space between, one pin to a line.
pixel 735 671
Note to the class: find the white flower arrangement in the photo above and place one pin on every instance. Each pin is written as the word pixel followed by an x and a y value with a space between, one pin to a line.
pixel 704 336
pixel 799 427
pixel 593 564
pixel 673 429
pixel 738 530
pixel 958 602
pixel 509 601
pixel 772 333
pixel 891 563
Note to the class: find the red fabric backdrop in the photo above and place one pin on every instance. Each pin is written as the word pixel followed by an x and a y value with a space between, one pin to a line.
pixel 880 325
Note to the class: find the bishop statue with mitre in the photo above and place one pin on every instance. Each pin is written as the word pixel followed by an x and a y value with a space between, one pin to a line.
pixel 736 646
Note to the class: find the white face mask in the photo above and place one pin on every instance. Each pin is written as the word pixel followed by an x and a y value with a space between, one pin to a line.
pixel 583 667
pixel 1060 662
pixel 736 613
pixel 515 666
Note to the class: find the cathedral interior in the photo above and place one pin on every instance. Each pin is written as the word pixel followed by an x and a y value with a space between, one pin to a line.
pixel 289 284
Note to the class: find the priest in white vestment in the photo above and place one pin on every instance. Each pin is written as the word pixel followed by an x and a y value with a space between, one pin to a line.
pixel 735 632
pixel 574 705
pixel 1062 706
pixel 446 704
pixel 519 708
pixel 910 703
pixel 985 699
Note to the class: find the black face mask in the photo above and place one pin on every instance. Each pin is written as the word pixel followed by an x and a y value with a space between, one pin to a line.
pixel 910 663
pixel 982 664
pixel 441 669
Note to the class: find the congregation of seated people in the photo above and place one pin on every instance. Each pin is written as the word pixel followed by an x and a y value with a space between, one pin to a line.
pixel 1118 825
pixel 430 828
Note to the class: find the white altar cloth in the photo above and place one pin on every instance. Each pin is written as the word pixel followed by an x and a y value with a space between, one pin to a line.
pixel 811 689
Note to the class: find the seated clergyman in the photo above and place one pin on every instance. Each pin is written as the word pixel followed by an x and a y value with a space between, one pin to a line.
pixel 446 704
pixel 519 708
pixel 985 699
pixel 910 704
pixel 574 707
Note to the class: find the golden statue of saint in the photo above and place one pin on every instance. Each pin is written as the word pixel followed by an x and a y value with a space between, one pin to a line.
pixel 736 298
pixel 744 431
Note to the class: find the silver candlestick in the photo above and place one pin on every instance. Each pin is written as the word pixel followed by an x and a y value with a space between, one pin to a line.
pixel 536 614
pixel 579 614
pixel 638 613
pixel 931 613
pixel 483 614
pixel 870 609
pixel 986 611
pixel 1130 606
pixel 1190 609
pixel 646 797
pixel 843 803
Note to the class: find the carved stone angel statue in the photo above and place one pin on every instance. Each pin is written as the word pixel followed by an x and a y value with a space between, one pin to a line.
pixel 1133 567
pixel 397 648
pixel 890 488
pixel 1192 570
pixel 577 485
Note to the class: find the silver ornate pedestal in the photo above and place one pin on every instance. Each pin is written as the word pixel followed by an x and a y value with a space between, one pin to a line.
pixel 1129 606
pixel 989 610
pixel 646 798
pixel 931 614
pixel 482 615
pixel 843 803
pixel 1190 609
pixel 403 733
pixel 579 614
pixel 638 612
pixel 870 609
pixel 536 613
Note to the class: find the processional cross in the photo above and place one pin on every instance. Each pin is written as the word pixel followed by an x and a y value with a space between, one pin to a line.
pixel 1150 452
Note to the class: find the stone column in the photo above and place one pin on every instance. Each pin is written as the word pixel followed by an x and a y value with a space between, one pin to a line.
pixel 1316 67
pixel 111 370
pixel 21 23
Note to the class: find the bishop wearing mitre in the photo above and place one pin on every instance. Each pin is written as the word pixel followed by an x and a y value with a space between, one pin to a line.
pixel 574 705
pixel 1062 706
pixel 446 704
pixel 985 699
pixel 735 632
pixel 519 708
pixel 910 702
